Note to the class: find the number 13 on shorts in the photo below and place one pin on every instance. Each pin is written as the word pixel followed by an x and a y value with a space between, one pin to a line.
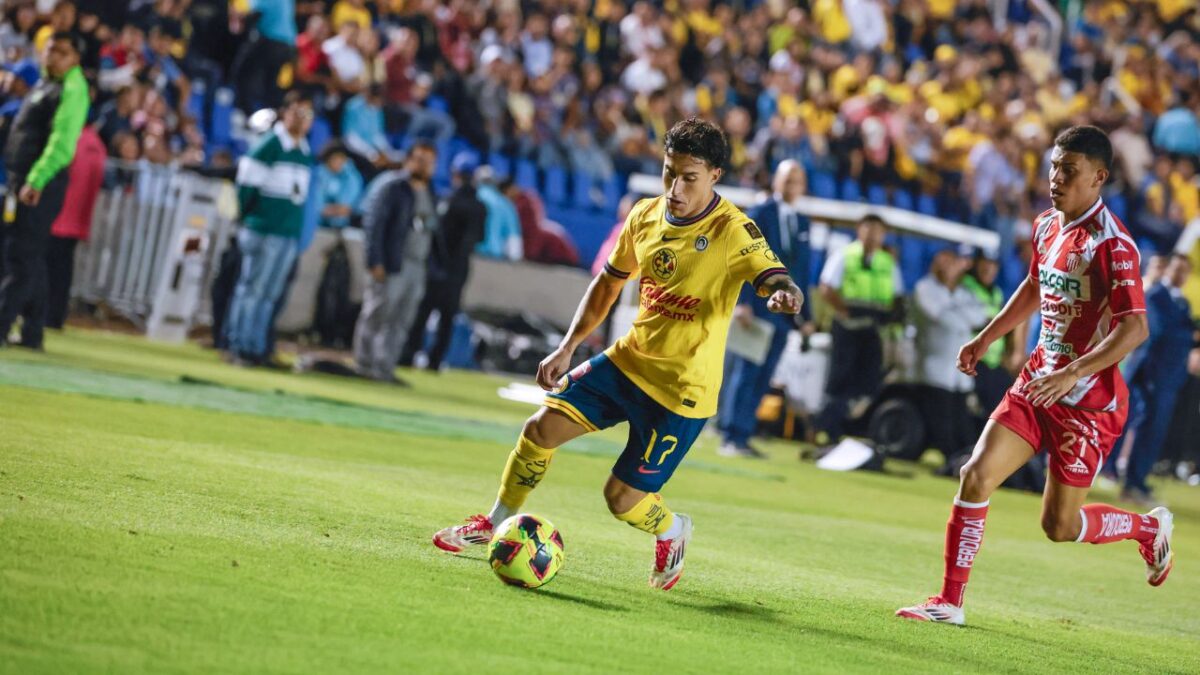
pixel 665 446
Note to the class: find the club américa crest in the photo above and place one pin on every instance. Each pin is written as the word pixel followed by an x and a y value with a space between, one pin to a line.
pixel 664 263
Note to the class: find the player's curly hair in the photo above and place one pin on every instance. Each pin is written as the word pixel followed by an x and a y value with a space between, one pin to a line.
pixel 700 139
pixel 1088 141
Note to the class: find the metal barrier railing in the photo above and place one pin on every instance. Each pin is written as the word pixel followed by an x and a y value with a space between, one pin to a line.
pixel 139 215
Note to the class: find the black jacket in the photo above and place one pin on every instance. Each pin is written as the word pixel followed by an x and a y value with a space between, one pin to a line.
pixel 460 230
pixel 31 129
pixel 387 218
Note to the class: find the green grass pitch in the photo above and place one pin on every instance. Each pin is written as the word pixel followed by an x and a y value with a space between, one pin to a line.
pixel 161 512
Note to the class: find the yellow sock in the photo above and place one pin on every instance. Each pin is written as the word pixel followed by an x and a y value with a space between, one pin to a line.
pixel 527 463
pixel 649 515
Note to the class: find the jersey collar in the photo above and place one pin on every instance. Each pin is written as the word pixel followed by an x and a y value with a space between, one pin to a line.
pixel 286 140
pixel 696 218
pixel 1086 214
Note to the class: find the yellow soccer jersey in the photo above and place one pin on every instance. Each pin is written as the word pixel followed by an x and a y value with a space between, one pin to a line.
pixel 689 273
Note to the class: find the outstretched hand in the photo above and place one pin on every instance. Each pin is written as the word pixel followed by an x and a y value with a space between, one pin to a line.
pixel 784 301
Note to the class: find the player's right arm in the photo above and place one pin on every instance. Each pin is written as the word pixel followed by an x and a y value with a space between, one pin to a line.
pixel 1016 311
pixel 601 294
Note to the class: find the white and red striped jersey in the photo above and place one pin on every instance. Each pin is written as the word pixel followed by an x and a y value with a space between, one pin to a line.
pixel 1088 272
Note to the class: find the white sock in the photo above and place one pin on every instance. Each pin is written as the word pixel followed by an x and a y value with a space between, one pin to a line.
pixel 674 530
pixel 499 514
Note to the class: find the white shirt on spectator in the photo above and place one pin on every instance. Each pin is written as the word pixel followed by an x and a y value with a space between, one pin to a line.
pixel 835 269
pixel 639 38
pixel 641 76
pixel 868 25
pixel 538 54
pixel 344 59
pixel 991 174
pixel 946 320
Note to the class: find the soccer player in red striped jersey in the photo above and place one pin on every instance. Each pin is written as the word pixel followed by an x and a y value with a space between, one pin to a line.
pixel 1070 399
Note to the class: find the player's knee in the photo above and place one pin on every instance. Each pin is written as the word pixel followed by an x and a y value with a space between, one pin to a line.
pixel 620 497
pixel 976 484
pixel 1059 528
pixel 534 431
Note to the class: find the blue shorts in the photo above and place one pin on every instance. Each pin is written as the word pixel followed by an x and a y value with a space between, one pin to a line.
pixel 597 395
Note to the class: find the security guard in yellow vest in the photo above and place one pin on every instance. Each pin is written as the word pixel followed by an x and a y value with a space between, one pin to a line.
pixel 995 376
pixel 862 284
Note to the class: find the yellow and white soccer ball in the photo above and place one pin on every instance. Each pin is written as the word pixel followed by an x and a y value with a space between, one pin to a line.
pixel 526 550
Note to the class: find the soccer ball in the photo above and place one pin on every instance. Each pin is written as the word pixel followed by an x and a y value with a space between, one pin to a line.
pixel 526 551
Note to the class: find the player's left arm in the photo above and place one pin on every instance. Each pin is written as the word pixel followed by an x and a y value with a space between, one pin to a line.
pixel 1129 332
pixel 752 261
pixel 785 296
pixel 1130 327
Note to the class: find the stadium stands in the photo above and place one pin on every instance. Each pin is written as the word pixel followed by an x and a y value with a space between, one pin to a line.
pixel 952 102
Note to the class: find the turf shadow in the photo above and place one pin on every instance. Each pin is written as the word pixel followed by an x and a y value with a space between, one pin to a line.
pixel 729 608
pixel 586 602
pixel 1132 665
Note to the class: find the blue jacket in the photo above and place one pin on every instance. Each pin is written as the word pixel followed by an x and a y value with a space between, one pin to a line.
pixel 1162 358
pixel 387 209
pixel 363 127
pixel 278 21
pixel 502 223
pixel 797 258
pixel 345 187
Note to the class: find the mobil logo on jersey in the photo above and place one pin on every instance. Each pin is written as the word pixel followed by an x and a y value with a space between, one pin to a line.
pixel 1064 284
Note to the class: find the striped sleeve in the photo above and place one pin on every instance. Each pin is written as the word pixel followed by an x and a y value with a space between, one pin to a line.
pixel 623 260
pixel 254 169
pixel 615 272
pixel 750 257
pixel 768 274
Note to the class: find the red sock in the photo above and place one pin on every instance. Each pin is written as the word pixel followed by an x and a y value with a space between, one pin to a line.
pixel 964 535
pixel 1104 524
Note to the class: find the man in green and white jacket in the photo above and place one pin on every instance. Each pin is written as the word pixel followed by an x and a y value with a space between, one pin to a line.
pixel 272 182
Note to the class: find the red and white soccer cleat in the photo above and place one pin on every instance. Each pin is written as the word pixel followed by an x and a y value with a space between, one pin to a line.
pixel 1158 556
pixel 668 556
pixel 935 609
pixel 476 531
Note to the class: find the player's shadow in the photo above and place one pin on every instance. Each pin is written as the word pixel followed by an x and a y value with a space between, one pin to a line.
pixel 729 608
pixel 586 602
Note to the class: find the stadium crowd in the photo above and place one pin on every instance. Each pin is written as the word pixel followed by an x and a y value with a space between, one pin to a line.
pixel 937 106
pixel 946 108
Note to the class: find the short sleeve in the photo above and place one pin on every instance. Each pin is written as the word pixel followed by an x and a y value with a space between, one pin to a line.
pixel 1121 270
pixel 750 258
pixel 832 272
pixel 623 260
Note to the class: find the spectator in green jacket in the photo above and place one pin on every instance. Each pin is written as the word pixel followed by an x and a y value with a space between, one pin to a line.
pixel 40 147
pixel 272 182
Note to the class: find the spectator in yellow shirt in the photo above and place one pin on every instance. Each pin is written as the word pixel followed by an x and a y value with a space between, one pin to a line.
pixel 351 10
pixel 831 21
pixel 1184 188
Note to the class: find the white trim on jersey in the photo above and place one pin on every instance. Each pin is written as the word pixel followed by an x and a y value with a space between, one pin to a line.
pixel 1086 214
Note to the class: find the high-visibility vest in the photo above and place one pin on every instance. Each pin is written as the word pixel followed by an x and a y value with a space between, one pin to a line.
pixel 994 301
pixel 873 286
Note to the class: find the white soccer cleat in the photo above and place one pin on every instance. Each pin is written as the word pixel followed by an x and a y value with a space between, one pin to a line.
pixel 935 609
pixel 1159 557
pixel 668 557
pixel 475 532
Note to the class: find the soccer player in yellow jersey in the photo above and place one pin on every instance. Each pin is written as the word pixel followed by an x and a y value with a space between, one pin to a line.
pixel 689 251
